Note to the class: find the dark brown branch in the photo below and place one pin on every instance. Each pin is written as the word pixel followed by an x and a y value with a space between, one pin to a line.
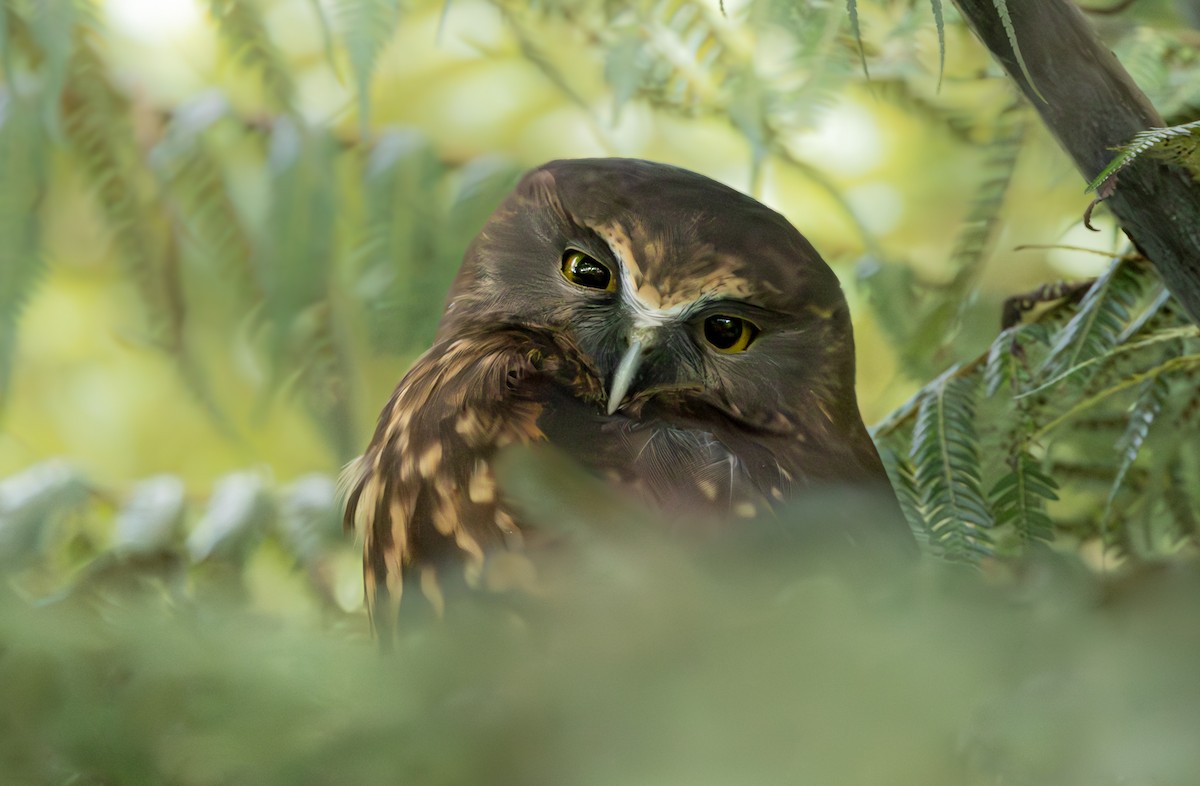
pixel 1092 106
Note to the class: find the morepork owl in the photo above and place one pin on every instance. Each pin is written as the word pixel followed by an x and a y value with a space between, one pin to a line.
pixel 673 335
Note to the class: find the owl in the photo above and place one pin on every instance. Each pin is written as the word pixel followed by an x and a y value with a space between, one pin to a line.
pixel 672 335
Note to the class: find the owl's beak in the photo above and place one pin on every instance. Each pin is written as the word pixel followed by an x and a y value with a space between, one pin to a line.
pixel 626 370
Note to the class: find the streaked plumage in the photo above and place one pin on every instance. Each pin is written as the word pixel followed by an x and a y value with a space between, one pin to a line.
pixel 621 278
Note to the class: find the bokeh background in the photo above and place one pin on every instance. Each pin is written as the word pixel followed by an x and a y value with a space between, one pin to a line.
pixel 227 229
pixel 874 174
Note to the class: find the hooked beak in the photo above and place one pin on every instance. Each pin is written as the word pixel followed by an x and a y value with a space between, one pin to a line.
pixel 623 378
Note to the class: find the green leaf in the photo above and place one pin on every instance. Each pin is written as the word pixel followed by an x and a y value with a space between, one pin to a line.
pixel 240 26
pixel 975 234
pixel 52 24
pixel 193 182
pixel 100 133
pixel 397 257
pixel 1004 364
pixel 23 173
pixel 904 482
pixel 1183 363
pixel 856 31
pixel 1186 136
pixel 945 458
pixel 296 263
pixel 626 66
pixel 1151 397
pixel 1098 324
pixel 367 27
pixel 1019 499
pixel 1006 20
pixel 941 36
pixel 296 247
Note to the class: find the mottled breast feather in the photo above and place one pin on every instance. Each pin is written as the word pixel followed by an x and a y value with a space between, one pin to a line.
pixel 424 493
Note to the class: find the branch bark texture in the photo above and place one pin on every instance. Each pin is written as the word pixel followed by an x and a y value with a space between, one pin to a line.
pixel 1092 105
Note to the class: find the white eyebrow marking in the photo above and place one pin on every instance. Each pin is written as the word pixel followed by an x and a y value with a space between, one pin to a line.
pixel 646 314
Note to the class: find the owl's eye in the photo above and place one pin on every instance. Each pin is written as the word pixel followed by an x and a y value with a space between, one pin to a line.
pixel 729 334
pixel 582 270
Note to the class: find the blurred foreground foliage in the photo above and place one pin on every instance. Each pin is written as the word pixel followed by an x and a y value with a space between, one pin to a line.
pixel 272 249
pixel 750 657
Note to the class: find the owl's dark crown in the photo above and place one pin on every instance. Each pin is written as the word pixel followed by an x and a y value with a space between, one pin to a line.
pixel 667 252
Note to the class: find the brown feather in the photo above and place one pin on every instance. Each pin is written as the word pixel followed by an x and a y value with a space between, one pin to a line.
pixel 523 355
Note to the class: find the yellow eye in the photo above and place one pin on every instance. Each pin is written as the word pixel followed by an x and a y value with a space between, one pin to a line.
pixel 583 271
pixel 729 334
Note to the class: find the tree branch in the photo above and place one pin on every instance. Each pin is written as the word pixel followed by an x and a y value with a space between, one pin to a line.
pixel 1092 106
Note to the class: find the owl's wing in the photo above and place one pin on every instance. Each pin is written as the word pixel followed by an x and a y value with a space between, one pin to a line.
pixel 424 492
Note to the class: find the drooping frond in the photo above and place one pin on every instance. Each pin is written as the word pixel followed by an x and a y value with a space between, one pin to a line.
pixel 1178 144
pixel 367 27
pixel 903 477
pixel 1019 499
pixel 241 27
pixel 939 22
pixel 945 457
pixel 1097 326
pixel 22 171
pixel 979 227
pixel 295 261
pixel 856 31
pixel 1006 20
pixel 1149 402
pixel 97 121
pixel 399 246
pixel 193 181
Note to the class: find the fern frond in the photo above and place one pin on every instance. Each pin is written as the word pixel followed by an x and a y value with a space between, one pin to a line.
pixel 394 258
pixel 296 249
pixel 1006 20
pixel 191 179
pixel 941 36
pixel 1179 144
pixel 324 377
pixel 856 31
pixel 240 26
pixel 1005 363
pixel 296 263
pixel 1182 499
pixel 904 482
pixel 1169 367
pixel 1098 324
pixel 945 457
pixel 367 27
pixel 52 24
pixel 23 173
pixel 984 214
pixel 1156 313
pixel 99 129
pixel 1135 348
pixel 1151 397
pixel 1019 498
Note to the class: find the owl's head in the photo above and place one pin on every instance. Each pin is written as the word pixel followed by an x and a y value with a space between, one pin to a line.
pixel 668 281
